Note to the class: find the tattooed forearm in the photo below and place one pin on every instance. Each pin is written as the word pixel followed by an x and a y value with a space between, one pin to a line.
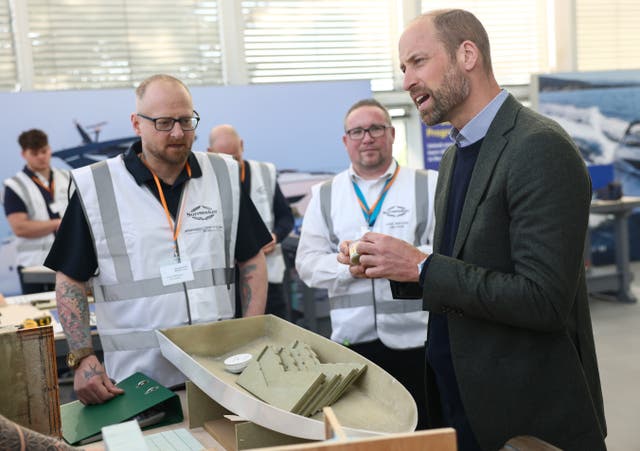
pixel 15 437
pixel 73 309
pixel 245 285
pixel 253 285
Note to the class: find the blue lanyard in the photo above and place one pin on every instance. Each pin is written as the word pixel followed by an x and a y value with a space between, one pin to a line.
pixel 371 214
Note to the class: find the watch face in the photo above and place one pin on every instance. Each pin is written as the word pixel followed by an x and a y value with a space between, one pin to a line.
pixel 71 361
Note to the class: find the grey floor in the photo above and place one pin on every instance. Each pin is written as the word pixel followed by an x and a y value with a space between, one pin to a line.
pixel 616 328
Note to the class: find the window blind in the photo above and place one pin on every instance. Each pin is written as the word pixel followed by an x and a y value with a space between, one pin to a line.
pixel 90 44
pixel 8 70
pixel 290 41
pixel 607 34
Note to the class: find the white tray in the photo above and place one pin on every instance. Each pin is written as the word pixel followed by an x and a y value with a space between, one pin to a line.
pixel 375 404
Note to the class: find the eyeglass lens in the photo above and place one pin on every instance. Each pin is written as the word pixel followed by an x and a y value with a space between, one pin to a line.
pixel 167 123
pixel 375 131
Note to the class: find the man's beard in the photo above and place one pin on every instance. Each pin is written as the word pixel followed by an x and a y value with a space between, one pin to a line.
pixel 454 90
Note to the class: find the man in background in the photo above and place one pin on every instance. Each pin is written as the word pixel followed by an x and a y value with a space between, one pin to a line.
pixel 158 231
pixel 374 193
pixel 259 181
pixel 34 201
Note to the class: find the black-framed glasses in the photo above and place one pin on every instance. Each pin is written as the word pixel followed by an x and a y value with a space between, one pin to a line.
pixel 165 124
pixel 375 131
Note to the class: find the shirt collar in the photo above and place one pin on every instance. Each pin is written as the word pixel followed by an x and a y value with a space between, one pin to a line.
pixel 31 174
pixel 387 174
pixel 142 174
pixel 476 128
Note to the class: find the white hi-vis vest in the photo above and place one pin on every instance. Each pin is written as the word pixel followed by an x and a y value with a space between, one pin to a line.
pixel 263 191
pixel 133 240
pixel 363 310
pixel 33 251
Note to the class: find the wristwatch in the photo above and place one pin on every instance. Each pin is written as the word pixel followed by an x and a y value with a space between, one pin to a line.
pixel 75 357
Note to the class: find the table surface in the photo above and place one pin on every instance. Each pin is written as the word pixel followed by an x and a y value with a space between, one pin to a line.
pixel 611 206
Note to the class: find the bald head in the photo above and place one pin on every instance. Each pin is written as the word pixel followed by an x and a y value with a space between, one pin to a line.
pixel 225 139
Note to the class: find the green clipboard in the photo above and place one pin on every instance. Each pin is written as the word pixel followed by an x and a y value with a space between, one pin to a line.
pixel 80 423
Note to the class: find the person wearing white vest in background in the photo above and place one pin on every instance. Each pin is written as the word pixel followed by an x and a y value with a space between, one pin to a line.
pixel 259 180
pixel 158 230
pixel 374 193
pixel 34 201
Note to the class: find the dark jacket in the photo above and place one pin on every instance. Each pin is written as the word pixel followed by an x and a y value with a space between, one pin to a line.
pixel 514 290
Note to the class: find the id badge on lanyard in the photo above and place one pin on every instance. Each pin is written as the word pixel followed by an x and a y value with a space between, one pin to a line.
pixel 177 271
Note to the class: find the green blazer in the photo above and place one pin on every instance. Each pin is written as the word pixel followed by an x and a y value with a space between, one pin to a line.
pixel 514 290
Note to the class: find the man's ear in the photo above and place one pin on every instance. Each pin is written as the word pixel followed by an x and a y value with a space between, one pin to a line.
pixel 135 123
pixel 468 55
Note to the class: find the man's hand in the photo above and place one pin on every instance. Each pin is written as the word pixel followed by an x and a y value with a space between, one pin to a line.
pixel 269 247
pixel 91 383
pixel 344 257
pixel 383 256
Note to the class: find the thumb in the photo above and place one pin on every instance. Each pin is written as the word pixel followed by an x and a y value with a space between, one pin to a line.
pixel 111 388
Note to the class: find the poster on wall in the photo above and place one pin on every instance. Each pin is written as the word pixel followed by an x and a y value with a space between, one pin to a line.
pixel 435 140
pixel 601 112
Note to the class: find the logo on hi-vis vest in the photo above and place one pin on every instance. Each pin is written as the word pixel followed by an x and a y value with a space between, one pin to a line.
pixel 202 213
pixel 396 211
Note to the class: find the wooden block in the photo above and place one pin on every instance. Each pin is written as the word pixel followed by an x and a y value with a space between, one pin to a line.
pixel 29 379
pixel 432 440
pixel 224 431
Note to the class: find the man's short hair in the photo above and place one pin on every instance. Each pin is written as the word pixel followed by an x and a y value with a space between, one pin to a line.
pixel 33 139
pixel 454 26
pixel 142 87
pixel 367 102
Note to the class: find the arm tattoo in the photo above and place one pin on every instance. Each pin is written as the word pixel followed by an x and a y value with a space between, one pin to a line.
pixel 73 309
pixel 245 286
pixel 16 437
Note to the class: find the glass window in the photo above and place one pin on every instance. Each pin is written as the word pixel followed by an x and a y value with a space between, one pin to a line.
pixel 78 44
pixel 290 41
pixel 8 70
pixel 607 34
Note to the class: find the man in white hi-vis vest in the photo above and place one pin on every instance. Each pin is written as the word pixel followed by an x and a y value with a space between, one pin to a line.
pixel 156 230
pixel 34 201
pixel 259 180
pixel 376 194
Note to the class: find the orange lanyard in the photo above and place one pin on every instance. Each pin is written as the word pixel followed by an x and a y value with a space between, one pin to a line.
pixel 50 189
pixel 242 173
pixel 175 229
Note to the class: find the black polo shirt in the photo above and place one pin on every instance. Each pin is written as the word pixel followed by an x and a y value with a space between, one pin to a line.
pixel 14 204
pixel 73 251
pixel 282 215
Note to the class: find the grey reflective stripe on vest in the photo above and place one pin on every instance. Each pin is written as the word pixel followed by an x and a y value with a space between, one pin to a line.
pixel 26 198
pixel 143 339
pixel 422 208
pixel 269 184
pixel 111 222
pixel 385 307
pixel 325 208
pixel 29 245
pixel 154 287
pixel 224 182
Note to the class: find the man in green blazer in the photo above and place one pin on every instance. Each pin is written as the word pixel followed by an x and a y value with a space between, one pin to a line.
pixel 510 349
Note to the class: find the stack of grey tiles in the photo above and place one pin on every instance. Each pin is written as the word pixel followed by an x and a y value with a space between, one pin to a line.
pixel 293 378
